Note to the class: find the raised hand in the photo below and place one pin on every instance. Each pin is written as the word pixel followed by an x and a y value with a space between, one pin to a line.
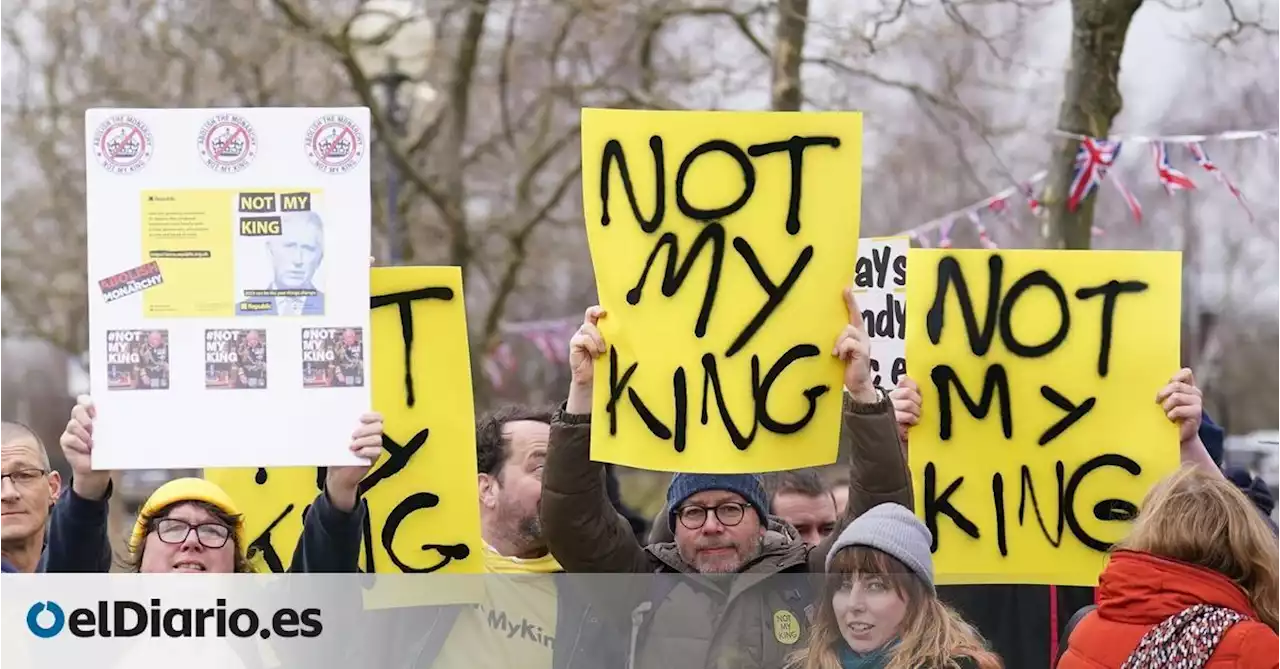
pixel 343 483
pixel 853 347
pixel 77 447
pixel 586 345
pixel 1183 403
pixel 906 405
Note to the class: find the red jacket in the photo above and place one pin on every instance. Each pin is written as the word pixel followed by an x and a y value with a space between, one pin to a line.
pixel 1137 591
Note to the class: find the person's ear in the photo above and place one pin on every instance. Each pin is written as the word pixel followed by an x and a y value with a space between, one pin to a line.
pixel 55 484
pixel 488 490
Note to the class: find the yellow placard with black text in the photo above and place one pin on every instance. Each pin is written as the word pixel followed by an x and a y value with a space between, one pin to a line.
pixel 1040 433
pixel 721 243
pixel 421 494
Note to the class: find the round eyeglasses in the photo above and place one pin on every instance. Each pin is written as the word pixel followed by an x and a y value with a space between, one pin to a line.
pixel 728 514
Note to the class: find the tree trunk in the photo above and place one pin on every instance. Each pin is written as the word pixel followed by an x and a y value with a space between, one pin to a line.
pixel 788 53
pixel 1090 102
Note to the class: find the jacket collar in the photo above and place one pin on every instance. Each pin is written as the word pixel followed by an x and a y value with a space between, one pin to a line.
pixel 1142 588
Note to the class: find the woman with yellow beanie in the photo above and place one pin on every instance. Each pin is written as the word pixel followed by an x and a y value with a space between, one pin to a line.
pixel 191 525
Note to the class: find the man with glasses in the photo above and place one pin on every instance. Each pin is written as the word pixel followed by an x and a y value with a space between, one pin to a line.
pixel 30 516
pixel 693 615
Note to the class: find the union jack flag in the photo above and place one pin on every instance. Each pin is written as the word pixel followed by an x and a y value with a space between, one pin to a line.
pixel 1202 158
pixel 1170 177
pixel 1092 161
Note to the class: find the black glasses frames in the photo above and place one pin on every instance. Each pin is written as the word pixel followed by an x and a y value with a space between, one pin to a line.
pixel 729 514
pixel 176 531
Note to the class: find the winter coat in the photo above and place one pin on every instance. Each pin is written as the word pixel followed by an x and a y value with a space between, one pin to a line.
pixel 683 619
pixel 1138 591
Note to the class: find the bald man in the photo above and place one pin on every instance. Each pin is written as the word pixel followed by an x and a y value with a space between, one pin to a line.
pixel 31 520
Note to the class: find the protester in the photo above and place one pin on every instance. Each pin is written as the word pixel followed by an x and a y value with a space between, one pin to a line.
pixel 34 527
pixel 192 525
pixel 1193 585
pixel 720 523
pixel 1256 489
pixel 879 608
pixel 838 486
pixel 524 582
pixel 798 497
pixel 1022 622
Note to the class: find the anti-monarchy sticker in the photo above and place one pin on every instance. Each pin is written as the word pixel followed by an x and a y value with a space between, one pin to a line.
pixel 334 144
pixel 227 143
pixel 123 144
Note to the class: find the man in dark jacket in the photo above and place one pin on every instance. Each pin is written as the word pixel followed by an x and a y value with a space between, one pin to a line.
pixel 721 526
pixel 35 527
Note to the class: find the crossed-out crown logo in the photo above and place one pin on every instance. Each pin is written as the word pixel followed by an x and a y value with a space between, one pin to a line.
pixel 126 618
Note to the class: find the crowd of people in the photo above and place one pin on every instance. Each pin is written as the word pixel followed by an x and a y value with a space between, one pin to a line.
pixel 739 570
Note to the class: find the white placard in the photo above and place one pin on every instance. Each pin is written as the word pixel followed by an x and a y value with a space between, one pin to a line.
pixel 228 285
pixel 880 289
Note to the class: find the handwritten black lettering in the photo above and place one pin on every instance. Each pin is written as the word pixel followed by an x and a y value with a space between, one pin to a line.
pixel 616 386
pixel 711 379
pixel 774 293
pixel 996 381
pixel 897 370
pixel 613 153
pixel 1029 488
pixel 262 544
pixel 935 505
pixel 797 352
pixel 1074 413
pixel 997 495
pixel 1110 292
pixel 950 275
pixel 890 323
pixel 682 408
pixel 1105 460
pixel 795 150
pixel 674 277
pixel 415 502
pixel 748 181
pixel 1036 278
pixel 405 301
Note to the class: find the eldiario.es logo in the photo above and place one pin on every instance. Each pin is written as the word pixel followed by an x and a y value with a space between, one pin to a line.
pixel 125 618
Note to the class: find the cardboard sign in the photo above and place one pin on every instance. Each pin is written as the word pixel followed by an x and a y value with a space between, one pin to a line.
pixel 880 288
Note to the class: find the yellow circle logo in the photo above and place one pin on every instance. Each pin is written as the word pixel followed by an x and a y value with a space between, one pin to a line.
pixel 786 629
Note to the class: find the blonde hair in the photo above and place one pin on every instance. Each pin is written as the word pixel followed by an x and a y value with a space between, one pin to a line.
pixel 1203 519
pixel 932 634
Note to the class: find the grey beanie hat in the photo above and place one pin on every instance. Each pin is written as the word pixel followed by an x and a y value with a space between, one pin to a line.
pixel 892 529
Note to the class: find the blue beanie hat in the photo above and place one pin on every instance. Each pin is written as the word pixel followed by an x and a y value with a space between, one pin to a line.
pixel 1213 437
pixel 683 486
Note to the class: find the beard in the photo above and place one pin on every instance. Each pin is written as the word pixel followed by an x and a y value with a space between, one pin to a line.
pixel 529 529
pixel 723 563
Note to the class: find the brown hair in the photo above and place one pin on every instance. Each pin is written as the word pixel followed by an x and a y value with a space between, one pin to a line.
pixel 1201 518
pixel 133 561
pixel 807 482
pixel 932 634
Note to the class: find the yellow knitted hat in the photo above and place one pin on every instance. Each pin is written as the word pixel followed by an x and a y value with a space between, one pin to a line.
pixel 185 490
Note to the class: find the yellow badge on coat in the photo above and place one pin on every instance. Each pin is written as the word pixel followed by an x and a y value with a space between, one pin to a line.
pixel 786 629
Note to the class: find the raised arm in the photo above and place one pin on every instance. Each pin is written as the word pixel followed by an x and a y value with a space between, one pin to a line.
pixel 330 540
pixel 1183 403
pixel 584 531
pixel 869 436
pixel 77 534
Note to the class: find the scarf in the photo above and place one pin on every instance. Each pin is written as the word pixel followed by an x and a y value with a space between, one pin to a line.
pixel 876 659
pixel 1185 640
pixel 496 563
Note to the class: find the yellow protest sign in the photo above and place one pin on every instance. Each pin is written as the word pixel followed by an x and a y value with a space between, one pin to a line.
pixel 721 242
pixel 422 496
pixel 1040 433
